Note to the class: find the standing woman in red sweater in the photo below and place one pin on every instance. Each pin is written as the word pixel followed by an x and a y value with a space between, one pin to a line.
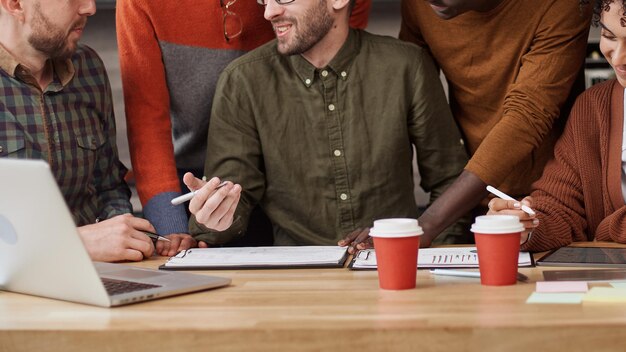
pixel 582 193
pixel 171 55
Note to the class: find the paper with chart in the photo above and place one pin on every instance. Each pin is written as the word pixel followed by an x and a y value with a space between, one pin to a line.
pixel 258 257
pixel 447 257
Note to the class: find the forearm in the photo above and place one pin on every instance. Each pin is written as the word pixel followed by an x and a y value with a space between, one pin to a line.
pixel 461 197
pixel 212 237
pixel 115 201
pixel 113 191
pixel 109 172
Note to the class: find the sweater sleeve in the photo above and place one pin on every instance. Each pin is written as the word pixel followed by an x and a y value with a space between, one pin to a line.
pixel 612 227
pixel 440 151
pixel 558 195
pixel 147 108
pixel 360 14
pixel 409 28
pixel 533 102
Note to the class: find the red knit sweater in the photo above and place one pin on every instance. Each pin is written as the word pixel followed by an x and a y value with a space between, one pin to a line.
pixel 579 196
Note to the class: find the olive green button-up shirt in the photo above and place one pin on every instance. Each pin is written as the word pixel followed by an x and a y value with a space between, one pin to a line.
pixel 327 151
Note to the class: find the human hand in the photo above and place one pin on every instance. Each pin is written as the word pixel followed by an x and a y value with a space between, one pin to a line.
pixel 118 238
pixel 178 242
pixel 357 240
pixel 212 207
pixel 499 206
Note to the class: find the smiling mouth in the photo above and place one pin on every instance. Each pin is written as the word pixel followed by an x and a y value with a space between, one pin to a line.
pixel 282 29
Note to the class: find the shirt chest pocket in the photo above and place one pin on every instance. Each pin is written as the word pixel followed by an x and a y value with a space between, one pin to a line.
pixel 12 146
pixel 91 142
pixel 88 149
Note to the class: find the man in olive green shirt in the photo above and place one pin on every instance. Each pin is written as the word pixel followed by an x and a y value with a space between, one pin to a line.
pixel 318 128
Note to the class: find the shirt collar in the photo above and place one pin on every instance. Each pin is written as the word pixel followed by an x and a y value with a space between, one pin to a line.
pixel 63 69
pixel 340 64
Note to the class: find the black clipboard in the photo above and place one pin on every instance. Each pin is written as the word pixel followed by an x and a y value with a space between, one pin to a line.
pixel 586 257
pixel 334 264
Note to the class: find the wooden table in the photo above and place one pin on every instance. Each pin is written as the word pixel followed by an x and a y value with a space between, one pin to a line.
pixel 318 310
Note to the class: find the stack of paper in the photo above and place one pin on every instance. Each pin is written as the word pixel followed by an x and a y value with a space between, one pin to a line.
pixel 449 257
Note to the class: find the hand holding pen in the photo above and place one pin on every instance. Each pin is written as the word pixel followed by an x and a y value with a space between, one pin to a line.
pixel 213 204
pixel 172 244
pixel 507 205
pixel 155 238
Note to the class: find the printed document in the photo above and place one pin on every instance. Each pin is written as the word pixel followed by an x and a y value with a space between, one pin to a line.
pixel 447 257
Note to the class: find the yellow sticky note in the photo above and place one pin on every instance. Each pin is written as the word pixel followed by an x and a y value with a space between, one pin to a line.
pixel 554 298
pixel 606 295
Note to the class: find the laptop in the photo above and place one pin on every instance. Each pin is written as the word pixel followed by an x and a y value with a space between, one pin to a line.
pixel 41 253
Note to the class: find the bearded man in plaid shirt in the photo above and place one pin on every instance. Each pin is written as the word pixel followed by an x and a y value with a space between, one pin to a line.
pixel 55 105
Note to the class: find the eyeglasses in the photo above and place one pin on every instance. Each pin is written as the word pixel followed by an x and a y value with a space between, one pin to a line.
pixel 279 2
pixel 232 22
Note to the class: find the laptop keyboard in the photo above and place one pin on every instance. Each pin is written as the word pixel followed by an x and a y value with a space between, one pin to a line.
pixel 116 287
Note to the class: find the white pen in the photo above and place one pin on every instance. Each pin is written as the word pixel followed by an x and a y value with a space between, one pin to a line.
pixel 447 272
pixel 185 197
pixel 505 196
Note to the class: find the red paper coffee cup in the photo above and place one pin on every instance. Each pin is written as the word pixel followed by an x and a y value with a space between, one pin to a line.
pixel 498 244
pixel 396 242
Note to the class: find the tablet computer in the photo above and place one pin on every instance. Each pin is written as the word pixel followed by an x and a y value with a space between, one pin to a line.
pixel 585 275
pixel 585 256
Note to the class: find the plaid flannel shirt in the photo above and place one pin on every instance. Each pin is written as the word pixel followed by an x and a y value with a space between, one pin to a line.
pixel 71 125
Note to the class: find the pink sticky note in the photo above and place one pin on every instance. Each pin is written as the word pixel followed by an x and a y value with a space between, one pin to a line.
pixel 561 286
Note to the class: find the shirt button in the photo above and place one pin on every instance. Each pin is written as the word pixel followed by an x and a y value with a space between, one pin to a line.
pixel 331 107
pixel 462 141
pixel 1 149
pixel 344 74
pixel 307 82
pixel 324 73
pixel 343 196
pixel 337 152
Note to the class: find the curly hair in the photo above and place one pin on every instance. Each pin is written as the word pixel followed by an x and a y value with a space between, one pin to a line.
pixel 603 5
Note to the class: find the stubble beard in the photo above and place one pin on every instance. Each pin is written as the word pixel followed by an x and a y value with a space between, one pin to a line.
pixel 49 39
pixel 316 24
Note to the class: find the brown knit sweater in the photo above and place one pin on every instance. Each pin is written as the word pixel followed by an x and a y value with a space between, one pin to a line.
pixel 579 196
pixel 511 73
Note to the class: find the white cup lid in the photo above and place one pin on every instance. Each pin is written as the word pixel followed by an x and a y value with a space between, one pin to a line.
pixel 397 227
pixel 497 224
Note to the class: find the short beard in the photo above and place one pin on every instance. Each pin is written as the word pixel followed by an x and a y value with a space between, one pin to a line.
pixel 316 24
pixel 49 39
